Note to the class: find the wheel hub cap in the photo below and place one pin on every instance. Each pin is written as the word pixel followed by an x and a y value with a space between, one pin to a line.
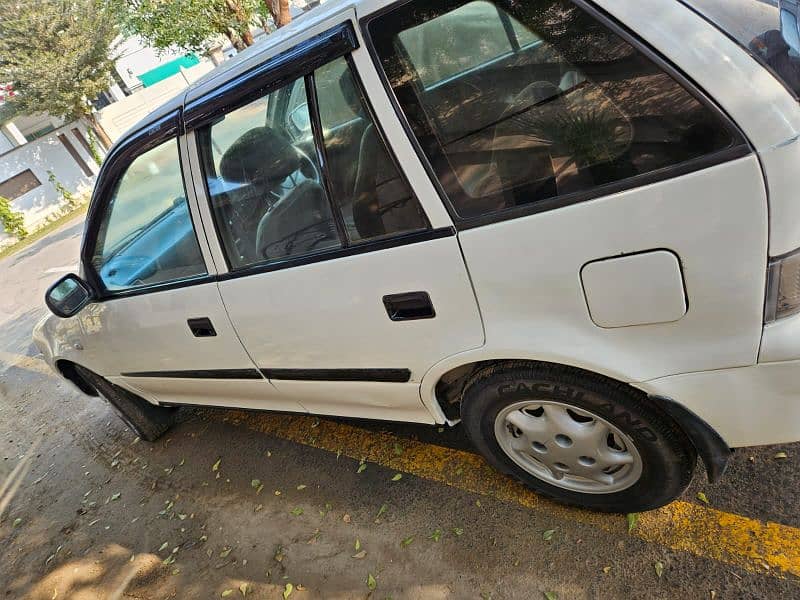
pixel 568 447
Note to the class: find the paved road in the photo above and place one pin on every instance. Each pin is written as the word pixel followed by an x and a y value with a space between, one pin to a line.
pixel 98 514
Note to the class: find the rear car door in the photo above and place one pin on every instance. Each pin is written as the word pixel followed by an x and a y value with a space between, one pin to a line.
pixel 628 212
pixel 340 285
pixel 159 327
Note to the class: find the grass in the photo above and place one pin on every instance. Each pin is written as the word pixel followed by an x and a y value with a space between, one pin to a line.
pixel 43 231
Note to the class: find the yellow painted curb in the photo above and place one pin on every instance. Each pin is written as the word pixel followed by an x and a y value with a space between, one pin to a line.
pixel 699 530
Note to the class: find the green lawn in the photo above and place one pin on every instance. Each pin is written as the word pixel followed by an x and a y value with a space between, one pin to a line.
pixel 40 233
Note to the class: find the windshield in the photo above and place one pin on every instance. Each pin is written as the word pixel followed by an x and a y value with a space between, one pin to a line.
pixel 756 25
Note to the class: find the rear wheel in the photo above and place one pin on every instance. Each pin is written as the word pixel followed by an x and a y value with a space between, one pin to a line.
pixel 147 421
pixel 576 437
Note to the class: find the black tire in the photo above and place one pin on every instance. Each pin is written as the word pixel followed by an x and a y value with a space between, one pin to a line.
pixel 146 420
pixel 668 457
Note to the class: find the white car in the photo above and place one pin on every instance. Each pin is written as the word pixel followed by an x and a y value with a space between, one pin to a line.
pixel 570 225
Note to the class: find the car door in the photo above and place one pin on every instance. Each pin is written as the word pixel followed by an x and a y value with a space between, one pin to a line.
pixel 158 326
pixel 342 285
pixel 628 212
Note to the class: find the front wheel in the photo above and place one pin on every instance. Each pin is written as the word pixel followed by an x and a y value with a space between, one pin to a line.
pixel 576 437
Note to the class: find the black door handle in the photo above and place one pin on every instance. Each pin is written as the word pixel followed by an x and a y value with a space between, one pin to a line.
pixel 202 327
pixel 409 306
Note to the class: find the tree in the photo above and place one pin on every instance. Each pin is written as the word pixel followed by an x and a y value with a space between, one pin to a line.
pixel 58 56
pixel 191 25
pixel 279 10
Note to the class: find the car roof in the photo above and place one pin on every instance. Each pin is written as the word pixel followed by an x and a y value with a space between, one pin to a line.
pixel 256 54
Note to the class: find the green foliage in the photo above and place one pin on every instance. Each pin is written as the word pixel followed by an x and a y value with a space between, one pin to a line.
pixel 69 198
pixel 57 53
pixel 12 220
pixel 191 25
pixel 93 150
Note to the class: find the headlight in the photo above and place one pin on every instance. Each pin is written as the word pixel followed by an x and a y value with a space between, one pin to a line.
pixel 783 287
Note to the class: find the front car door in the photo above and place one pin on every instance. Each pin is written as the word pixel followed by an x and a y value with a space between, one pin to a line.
pixel 159 327
pixel 344 283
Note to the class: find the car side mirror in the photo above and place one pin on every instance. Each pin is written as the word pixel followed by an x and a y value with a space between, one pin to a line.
pixel 67 296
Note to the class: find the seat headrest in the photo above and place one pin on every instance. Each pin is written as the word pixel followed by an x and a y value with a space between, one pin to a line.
pixel 260 154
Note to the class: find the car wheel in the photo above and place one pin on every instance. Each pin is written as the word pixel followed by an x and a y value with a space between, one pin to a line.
pixel 146 420
pixel 578 438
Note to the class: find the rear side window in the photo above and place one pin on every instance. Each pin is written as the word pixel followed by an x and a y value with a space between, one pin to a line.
pixel 286 182
pixel 558 107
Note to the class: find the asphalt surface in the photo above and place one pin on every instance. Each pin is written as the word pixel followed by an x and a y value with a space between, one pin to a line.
pixel 98 514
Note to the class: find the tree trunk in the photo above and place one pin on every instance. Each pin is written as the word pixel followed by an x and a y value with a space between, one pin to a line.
pixel 236 41
pixel 99 131
pixel 279 9
pixel 244 35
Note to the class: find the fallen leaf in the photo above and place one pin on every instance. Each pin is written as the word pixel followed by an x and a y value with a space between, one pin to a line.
pixel 781 454
pixel 278 554
pixel 216 465
pixel 702 497
pixel 346 518
pixel 225 552
pixel 255 483
pixel 115 496
pixel 548 535
pixel 301 486
pixel 458 530
pixel 371 583
pixel 287 590
pixel 436 535
pixel 258 507
pixel 397 477
pixel 17 522
pixel 361 468
pixel 360 555
pixel 226 593
pixel 659 567
pixel 406 541
pixel 632 518
pixel 606 569
pixel 244 588
pixel 550 595
pixel 357 545
pixel 163 546
pixel 381 511
pixel 297 511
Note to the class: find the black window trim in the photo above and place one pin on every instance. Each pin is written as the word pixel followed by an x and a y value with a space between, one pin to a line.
pixel 324 48
pixel 464 223
pixel 114 167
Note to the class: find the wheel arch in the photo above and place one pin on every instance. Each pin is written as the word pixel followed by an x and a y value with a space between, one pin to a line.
pixel 70 373
pixel 448 387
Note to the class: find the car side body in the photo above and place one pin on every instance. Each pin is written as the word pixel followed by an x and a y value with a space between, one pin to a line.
pixel 652 275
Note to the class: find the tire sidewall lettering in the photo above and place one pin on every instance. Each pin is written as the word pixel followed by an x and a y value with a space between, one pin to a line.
pixel 614 413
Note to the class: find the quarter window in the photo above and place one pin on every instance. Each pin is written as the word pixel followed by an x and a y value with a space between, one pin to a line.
pixel 274 198
pixel 559 106
pixel 146 235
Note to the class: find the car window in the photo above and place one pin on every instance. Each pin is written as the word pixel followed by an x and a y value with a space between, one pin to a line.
pixel 375 201
pixel 461 39
pixel 578 109
pixel 146 234
pixel 756 25
pixel 265 183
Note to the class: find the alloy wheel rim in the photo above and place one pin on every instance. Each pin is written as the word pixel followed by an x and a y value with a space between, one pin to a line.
pixel 568 447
